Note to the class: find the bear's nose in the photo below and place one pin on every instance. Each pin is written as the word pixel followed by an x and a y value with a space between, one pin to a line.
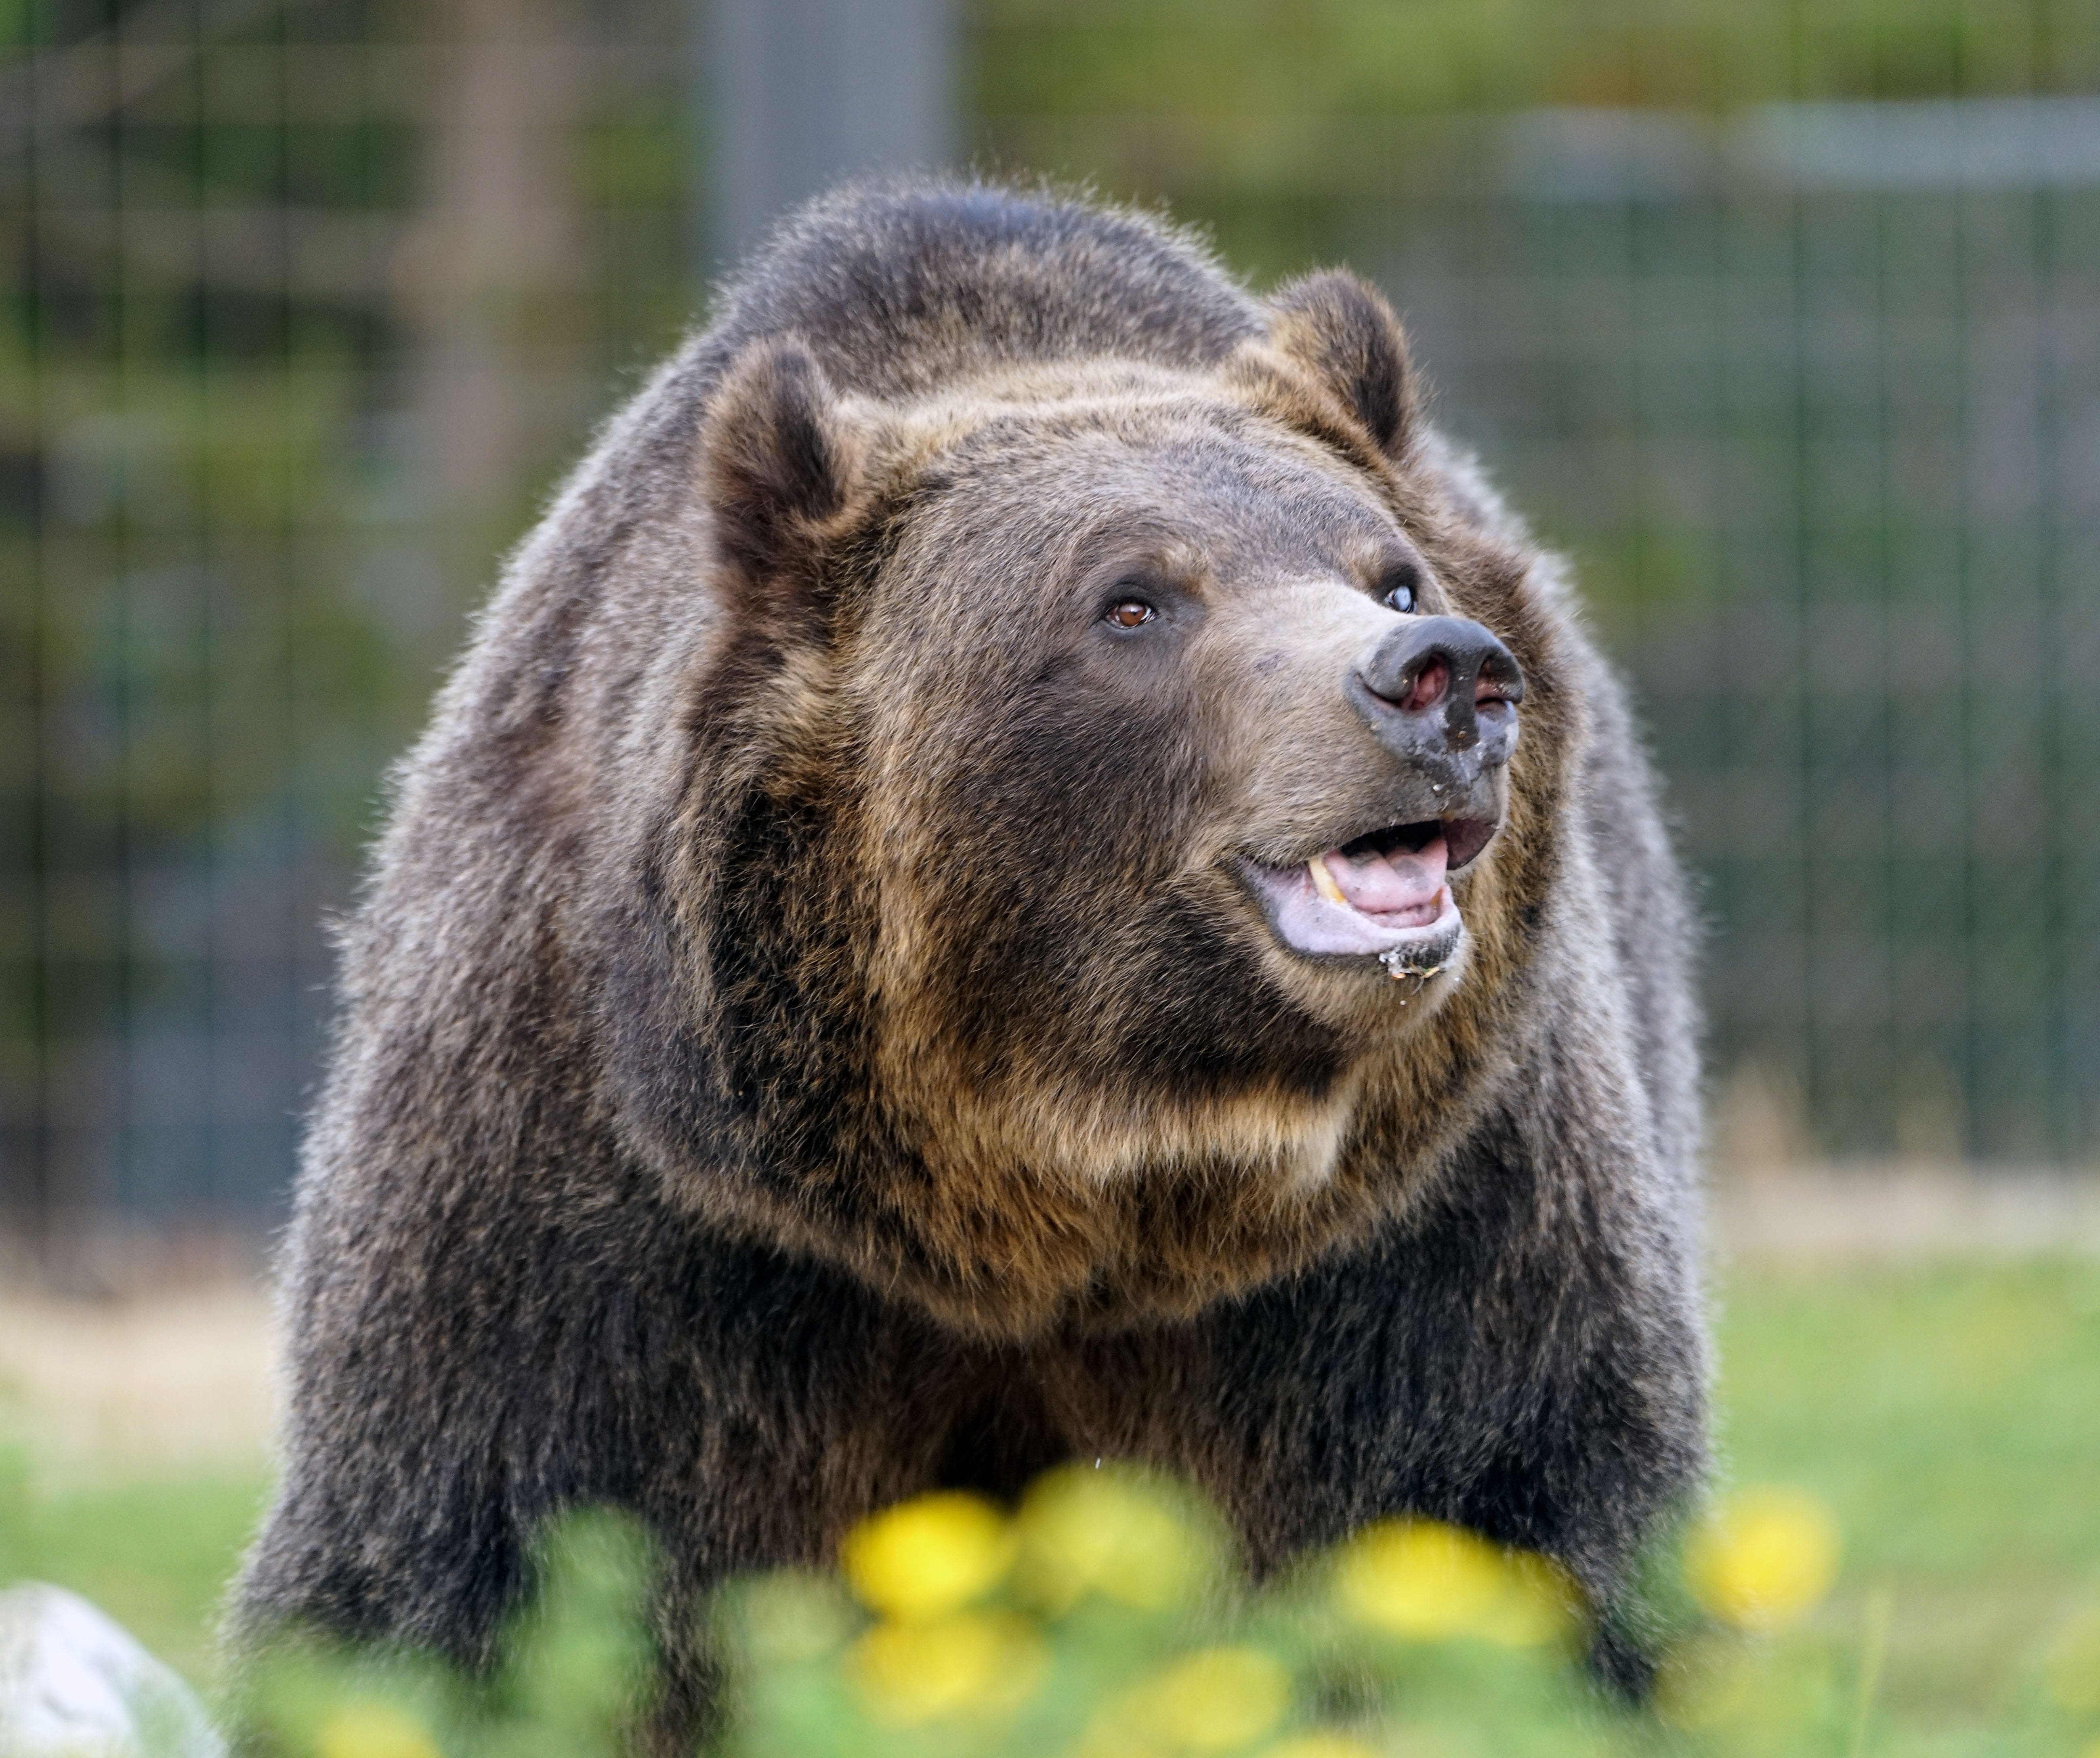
pixel 1442 684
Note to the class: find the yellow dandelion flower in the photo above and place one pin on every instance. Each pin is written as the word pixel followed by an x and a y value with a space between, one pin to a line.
pixel 1764 1558
pixel 1423 1580
pixel 373 1730
pixel 2073 1667
pixel 924 1558
pixel 1084 1530
pixel 1540 1604
pixel 1320 1745
pixel 1217 1699
pixel 974 1663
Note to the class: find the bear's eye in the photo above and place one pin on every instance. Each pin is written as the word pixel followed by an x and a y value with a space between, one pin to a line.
pixel 1130 613
pixel 1397 590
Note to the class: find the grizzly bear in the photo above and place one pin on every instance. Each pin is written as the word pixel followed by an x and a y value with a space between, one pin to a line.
pixel 1026 865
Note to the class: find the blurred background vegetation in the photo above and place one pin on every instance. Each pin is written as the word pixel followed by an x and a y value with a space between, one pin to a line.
pixel 1785 320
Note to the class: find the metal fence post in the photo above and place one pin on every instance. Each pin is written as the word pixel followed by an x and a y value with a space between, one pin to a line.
pixel 797 94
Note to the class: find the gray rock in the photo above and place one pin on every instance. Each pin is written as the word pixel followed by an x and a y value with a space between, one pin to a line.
pixel 74 1684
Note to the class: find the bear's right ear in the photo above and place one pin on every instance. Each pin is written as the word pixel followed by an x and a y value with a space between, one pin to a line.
pixel 781 463
pixel 1339 328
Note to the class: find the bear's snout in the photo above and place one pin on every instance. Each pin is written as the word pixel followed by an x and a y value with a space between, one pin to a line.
pixel 1440 689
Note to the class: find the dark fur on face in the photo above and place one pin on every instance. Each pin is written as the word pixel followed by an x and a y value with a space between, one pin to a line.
pixel 817 1031
pixel 949 976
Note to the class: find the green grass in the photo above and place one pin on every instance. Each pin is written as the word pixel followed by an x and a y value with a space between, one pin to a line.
pixel 155 1555
pixel 1949 1415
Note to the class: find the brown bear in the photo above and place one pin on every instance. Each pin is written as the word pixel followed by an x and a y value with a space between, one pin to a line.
pixel 1026 865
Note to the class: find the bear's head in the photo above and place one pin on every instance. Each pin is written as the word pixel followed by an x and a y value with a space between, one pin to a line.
pixel 1104 858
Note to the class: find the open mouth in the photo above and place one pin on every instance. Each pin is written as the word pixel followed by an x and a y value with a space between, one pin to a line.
pixel 1382 895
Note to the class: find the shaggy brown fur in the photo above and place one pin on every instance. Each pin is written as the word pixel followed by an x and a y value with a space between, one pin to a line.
pixel 809 1037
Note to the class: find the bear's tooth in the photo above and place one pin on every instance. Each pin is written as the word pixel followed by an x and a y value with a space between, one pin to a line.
pixel 1323 880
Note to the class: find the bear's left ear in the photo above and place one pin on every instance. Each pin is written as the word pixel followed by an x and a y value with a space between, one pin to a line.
pixel 782 461
pixel 1339 328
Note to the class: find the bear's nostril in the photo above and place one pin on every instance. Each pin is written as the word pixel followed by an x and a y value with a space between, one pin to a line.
pixel 1499 682
pixel 1427 688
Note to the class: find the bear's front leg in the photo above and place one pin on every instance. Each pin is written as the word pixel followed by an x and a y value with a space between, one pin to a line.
pixel 745 1406
pixel 1523 1357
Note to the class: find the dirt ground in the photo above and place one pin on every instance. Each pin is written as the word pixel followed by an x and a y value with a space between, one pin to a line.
pixel 1898 1212
pixel 171 1380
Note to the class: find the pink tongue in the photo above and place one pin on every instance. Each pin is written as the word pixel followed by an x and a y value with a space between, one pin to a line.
pixel 1380 885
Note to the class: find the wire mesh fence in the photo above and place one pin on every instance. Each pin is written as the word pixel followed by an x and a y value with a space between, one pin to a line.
pixel 1825 432
pixel 306 303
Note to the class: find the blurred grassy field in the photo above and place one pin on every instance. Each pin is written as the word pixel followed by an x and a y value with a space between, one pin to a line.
pixel 1951 1416
pixel 1949 1413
